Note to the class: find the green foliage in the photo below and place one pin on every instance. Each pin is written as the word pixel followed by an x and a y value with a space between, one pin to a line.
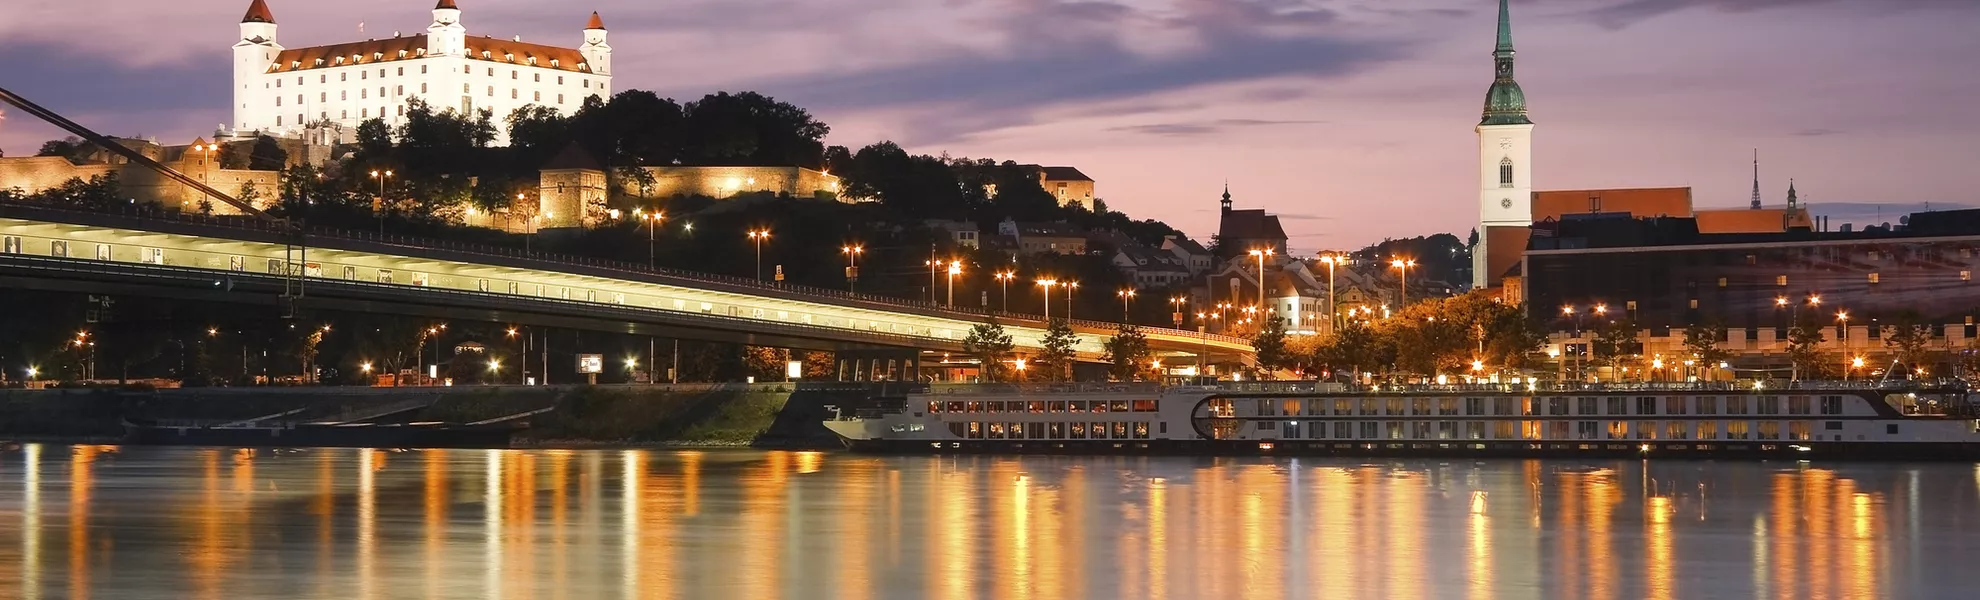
pixel 1127 353
pixel 1270 344
pixel 1907 338
pixel 991 346
pixel 1804 347
pixel 267 155
pixel 96 193
pixel 1701 341
pixel 1614 342
pixel 67 147
pixel 1434 336
pixel 1055 358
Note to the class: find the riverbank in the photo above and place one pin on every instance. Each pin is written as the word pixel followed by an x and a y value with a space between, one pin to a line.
pixel 760 415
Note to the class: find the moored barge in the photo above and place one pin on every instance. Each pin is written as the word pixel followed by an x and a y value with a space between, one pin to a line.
pixel 1868 420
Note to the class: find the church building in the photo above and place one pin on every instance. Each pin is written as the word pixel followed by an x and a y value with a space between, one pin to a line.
pixel 1505 168
pixel 291 92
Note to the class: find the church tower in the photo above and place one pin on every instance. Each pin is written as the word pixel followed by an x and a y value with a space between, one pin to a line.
pixel 1505 157
pixel 253 53
pixel 446 36
pixel 597 54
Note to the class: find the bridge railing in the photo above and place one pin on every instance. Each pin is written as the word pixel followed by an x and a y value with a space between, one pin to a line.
pixel 241 222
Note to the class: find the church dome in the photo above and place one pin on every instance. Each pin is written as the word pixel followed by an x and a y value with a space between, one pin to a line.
pixel 1505 104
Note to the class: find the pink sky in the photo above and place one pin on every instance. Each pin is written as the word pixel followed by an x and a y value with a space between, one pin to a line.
pixel 1350 118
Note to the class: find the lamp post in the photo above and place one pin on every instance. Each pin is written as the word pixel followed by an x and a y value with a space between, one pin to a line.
pixel 1046 286
pixel 1127 297
pixel 1842 335
pixel 955 268
pixel 1260 255
pixel 1176 315
pixel 652 221
pixel 1071 287
pixel 522 370
pixel 1403 265
pixel 758 236
pixel 379 207
pixel 1333 310
pixel 1004 285
pixel 852 252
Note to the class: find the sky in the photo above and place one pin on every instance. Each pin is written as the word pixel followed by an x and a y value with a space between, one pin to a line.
pixel 1351 119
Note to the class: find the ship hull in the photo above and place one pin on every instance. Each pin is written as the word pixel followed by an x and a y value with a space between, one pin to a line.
pixel 1662 450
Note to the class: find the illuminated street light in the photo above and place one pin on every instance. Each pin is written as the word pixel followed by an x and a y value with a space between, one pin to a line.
pixel 759 236
pixel 955 268
pixel 1403 265
pixel 379 206
pixel 1127 297
pixel 1004 285
pixel 852 252
pixel 1045 285
pixel 1260 255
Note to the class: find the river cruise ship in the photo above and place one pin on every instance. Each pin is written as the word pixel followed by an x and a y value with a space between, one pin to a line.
pixel 1897 420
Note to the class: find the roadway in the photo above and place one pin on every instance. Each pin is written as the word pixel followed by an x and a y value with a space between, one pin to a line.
pixel 237 260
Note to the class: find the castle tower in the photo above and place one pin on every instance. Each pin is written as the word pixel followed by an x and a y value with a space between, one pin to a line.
pixel 597 54
pixel 1505 157
pixel 253 53
pixel 446 36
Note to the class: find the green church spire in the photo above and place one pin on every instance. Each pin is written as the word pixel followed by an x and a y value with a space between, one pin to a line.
pixel 1505 103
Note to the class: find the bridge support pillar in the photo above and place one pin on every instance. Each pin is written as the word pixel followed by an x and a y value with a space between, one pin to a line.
pixel 879 365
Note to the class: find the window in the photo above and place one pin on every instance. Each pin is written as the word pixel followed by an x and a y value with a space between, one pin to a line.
pixel 1557 406
pixel 1674 405
pixel 1736 430
pixel 384 275
pixel 1343 430
pixel 10 245
pixel 1694 303
pixel 1872 255
pixel 514 94
pixel 1873 278
pixel 1797 405
pixel 1708 430
pixel 1506 172
pixel 481 285
pixel 1677 430
pixel 350 273
pixel 1706 405
pixel 1646 430
pixel 1735 405
pixel 1832 405
pixel 560 98
pixel 1618 406
pixel 1769 430
pixel 1780 280
pixel 102 252
pixel 538 96
pixel 1587 430
pixel 1770 405
pixel 1646 405
pixel 1798 430
pixel 1618 430
pixel 1447 407
pixel 1474 406
pixel 1966 276
pixel 151 256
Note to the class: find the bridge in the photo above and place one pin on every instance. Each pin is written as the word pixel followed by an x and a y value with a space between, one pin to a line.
pixel 147 253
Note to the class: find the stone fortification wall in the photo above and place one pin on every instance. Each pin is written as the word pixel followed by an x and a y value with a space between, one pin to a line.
pixel 724 182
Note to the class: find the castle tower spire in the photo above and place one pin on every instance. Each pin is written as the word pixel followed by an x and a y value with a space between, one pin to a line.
pixel 258 13
pixel 1756 179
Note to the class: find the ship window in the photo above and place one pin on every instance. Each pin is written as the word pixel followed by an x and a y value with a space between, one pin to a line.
pixel 1097 431
pixel 1268 425
pixel 1502 430
pixel 1736 430
pixel 1503 406
pixel 1586 430
pixel 1122 406
pixel 1036 406
pixel 935 407
pixel 996 431
pixel 1144 406
pixel 1098 407
pixel 1395 406
pixel 975 406
pixel 1770 405
pixel 1446 430
pixel 1447 407
pixel 1395 429
pixel 1677 430
pixel 1560 430
pixel 957 428
pixel 955 406
pixel 1706 405
pixel 1057 406
pixel 1798 430
pixel 1419 406
pixel 1735 405
pixel 1141 430
pixel 1079 431
pixel 1557 406
pixel 1674 405
pixel 1618 406
pixel 1076 406
pixel 1892 428
pixel 1646 430
pixel 1474 406
pixel 1646 405
pixel 1618 430
pixel 1797 405
pixel 1708 430
pixel 1585 406
pixel 1769 430
pixel 1055 431
pixel 1370 429
pixel 1419 430
pixel 975 429
pixel 1474 430
pixel 1370 406
pixel 1162 427
pixel 1832 405
pixel 1832 425
pixel 1120 430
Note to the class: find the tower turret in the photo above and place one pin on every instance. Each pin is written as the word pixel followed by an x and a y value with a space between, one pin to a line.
pixel 253 53
pixel 446 36
pixel 597 54
pixel 1227 198
pixel 1505 157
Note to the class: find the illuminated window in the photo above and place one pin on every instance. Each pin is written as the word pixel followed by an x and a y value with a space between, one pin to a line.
pixel 1708 430
pixel 1736 430
pixel 1722 282
pixel 1966 276
pixel 1769 430
pixel 1798 430
pixel 10 245
pixel 1873 278
pixel 1780 280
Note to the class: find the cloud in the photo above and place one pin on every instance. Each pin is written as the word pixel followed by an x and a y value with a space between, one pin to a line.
pixel 1190 128
pixel 1298 217
pixel 1818 132
pixel 1624 13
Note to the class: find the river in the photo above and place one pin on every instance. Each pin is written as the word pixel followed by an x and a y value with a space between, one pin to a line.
pixel 344 524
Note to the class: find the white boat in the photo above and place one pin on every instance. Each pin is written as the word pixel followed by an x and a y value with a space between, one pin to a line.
pixel 1897 420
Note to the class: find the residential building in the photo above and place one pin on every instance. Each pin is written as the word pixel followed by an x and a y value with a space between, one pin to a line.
pixel 1066 184
pixel 1150 267
pixel 1194 256
pixel 964 234
pixel 1038 238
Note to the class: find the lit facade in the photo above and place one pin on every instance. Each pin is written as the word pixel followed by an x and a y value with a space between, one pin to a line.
pixel 333 88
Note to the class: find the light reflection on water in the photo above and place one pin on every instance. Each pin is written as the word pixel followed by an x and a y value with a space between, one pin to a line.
pixel 109 522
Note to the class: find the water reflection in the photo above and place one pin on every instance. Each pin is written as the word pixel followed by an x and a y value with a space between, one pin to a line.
pixel 219 523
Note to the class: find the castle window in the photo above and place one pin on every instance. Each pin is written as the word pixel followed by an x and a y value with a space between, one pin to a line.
pixel 343 76
pixel 363 75
pixel 467 88
pixel 422 88
pixel 539 97
pixel 278 100
pixel 402 70
pixel 343 95
pixel 1780 280
pixel 323 96
pixel 299 98
pixel 532 62
pixel 402 56
pixel 538 76
pixel 344 114
pixel 399 90
pixel 364 93
pixel 364 113
pixel 422 69
pixel 1506 172
pixel 511 57
pixel 560 78
pixel 278 83
pixel 379 56
pixel 491 91
pixel 1966 276
pixel 514 94
pixel 278 120
pixel 513 74
pixel 321 78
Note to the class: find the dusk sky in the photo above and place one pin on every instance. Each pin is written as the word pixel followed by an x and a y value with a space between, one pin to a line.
pixel 1352 119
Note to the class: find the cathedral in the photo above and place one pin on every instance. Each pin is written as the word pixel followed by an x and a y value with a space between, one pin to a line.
pixel 1505 167
pixel 325 91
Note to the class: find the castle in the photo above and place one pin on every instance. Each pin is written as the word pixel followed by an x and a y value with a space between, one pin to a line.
pixel 293 92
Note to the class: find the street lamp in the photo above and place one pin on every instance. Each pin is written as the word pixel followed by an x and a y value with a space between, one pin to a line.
pixel 852 252
pixel 1046 286
pixel 1842 334
pixel 652 221
pixel 1403 265
pixel 1177 314
pixel 1004 285
pixel 1127 297
pixel 1333 319
pixel 379 206
pixel 1071 287
pixel 523 354
pixel 1260 255
pixel 758 236
pixel 955 268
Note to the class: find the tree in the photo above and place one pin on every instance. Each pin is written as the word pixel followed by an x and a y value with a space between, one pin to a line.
pixel 1056 357
pixel 66 147
pixel 250 194
pixel 1127 353
pixel 1907 339
pixel 1270 344
pixel 1702 341
pixel 1804 347
pixel 991 346
pixel 96 193
pixel 1613 342
pixel 267 155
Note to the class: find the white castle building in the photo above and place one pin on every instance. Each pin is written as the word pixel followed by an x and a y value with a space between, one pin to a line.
pixel 281 91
